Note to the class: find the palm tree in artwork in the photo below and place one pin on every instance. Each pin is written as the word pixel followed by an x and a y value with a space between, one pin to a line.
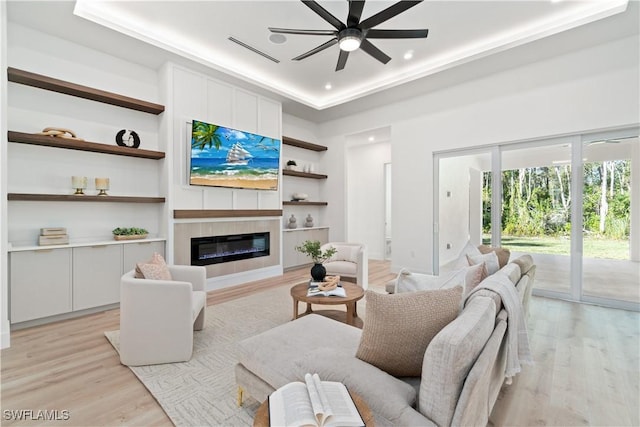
pixel 204 135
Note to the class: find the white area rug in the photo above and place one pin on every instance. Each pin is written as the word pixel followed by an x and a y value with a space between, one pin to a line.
pixel 203 391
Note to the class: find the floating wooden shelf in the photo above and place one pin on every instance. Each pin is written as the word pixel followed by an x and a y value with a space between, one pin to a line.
pixel 291 203
pixel 224 213
pixel 49 83
pixel 74 144
pixel 303 174
pixel 81 198
pixel 302 144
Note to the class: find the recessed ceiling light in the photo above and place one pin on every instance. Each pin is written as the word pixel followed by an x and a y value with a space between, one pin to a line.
pixel 372 138
pixel 408 55
pixel 328 86
pixel 277 38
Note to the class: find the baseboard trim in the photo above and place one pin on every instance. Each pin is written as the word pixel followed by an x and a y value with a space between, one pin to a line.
pixel 5 340
pixel 243 277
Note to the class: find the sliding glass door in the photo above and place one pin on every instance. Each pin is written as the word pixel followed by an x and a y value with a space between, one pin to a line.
pixel 610 204
pixel 573 203
pixel 536 209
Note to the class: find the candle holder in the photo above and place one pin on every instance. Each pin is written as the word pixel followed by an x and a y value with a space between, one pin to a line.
pixel 79 183
pixel 102 184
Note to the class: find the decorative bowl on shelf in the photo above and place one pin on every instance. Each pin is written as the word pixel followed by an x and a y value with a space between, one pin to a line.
pixel 298 197
pixel 130 237
pixel 131 233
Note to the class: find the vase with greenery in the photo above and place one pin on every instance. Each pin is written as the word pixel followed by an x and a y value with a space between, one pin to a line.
pixel 312 248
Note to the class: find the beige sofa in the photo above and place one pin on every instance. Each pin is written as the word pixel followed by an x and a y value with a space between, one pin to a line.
pixel 463 367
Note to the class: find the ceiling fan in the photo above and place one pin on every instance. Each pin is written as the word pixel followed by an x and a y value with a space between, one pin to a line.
pixel 354 33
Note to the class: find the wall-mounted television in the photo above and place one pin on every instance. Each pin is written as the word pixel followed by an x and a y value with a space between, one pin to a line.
pixel 225 157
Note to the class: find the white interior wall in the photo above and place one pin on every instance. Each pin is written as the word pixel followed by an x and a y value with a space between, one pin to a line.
pixel 196 96
pixel 366 195
pixel 594 88
pixel 458 221
pixel 4 280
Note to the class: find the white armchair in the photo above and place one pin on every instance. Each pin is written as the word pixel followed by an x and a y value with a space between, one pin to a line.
pixel 350 261
pixel 158 317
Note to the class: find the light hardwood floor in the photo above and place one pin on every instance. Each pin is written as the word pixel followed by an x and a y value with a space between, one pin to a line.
pixel 586 371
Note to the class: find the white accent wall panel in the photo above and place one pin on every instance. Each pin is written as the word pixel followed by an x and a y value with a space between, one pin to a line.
pixel 197 96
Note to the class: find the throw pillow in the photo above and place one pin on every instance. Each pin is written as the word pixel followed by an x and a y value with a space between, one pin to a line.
pixel 503 253
pixel 491 261
pixel 155 269
pixel 399 327
pixel 473 276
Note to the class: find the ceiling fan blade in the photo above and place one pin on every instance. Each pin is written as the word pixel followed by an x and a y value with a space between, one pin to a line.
pixel 396 34
pixel 342 59
pixel 387 14
pixel 324 14
pixel 315 50
pixel 307 32
pixel 368 47
pixel 355 12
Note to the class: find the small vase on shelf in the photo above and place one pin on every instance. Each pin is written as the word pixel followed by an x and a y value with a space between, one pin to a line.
pixel 292 222
pixel 308 221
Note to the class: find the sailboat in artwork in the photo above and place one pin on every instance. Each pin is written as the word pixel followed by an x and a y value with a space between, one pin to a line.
pixel 238 155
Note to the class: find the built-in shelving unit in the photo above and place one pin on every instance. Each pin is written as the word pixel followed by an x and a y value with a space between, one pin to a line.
pixel 75 144
pixel 84 276
pixel 81 198
pixel 311 175
pixel 303 203
pixel 302 144
pixel 55 85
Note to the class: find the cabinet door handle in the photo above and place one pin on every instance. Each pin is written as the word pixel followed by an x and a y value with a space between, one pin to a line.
pixel 99 246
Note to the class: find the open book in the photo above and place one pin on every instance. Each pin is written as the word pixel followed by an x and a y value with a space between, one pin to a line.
pixel 313 403
pixel 336 292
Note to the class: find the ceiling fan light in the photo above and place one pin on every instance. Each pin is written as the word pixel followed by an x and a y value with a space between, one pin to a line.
pixel 349 43
pixel 349 39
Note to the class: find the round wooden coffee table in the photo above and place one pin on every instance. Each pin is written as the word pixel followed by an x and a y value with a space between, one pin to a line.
pixel 261 418
pixel 354 294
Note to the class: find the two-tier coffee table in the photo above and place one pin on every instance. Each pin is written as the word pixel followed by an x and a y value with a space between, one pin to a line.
pixel 354 294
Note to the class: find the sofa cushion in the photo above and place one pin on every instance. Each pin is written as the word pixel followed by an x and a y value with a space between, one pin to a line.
pixel 512 270
pixel 503 253
pixel 344 253
pixel 342 268
pixel 525 262
pixel 278 349
pixel 399 327
pixel 361 377
pixel 449 358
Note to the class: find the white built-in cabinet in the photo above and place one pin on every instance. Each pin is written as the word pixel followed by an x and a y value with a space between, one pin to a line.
pixel 84 275
pixel 48 282
pixel 40 283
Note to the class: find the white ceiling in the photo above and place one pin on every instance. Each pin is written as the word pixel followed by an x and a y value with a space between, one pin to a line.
pixel 490 35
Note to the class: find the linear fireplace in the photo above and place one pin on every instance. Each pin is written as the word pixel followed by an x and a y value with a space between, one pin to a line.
pixel 233 247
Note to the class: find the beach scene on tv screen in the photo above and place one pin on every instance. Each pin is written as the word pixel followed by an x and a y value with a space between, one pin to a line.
pixel 225 157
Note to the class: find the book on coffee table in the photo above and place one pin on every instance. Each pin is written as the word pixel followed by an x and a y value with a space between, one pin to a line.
pixel 336 292
pixel 313 402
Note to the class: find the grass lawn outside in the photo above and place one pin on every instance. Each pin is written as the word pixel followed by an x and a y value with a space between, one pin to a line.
pixel 593 247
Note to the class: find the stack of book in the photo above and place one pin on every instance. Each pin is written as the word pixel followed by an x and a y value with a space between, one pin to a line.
pixel 53 236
